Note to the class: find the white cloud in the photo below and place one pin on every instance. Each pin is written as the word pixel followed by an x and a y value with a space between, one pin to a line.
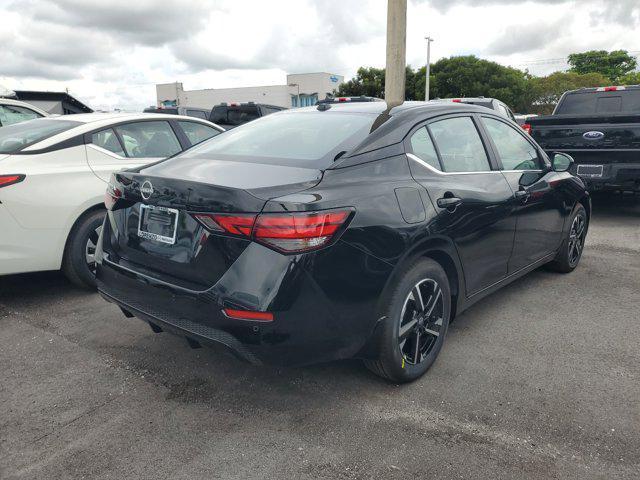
pixel 112 53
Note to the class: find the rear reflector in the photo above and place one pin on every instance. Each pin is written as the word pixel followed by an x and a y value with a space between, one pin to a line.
pixel 248 315
pixel 287 232
pixel 6 180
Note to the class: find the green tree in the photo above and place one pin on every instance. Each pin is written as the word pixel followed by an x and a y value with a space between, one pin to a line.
pixel 469 76
pixel 546 91
pixel 368 81
pixel 630 79
pixel 612 65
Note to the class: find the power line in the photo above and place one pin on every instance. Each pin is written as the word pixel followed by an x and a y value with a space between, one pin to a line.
pixel 564 60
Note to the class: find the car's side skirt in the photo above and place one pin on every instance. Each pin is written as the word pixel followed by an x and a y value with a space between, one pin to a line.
pixel 505 281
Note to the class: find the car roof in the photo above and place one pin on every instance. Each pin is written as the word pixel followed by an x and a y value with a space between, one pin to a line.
pixel 381 107
pixel 88 122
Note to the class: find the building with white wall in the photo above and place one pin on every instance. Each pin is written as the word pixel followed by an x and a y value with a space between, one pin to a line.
pixel 301 89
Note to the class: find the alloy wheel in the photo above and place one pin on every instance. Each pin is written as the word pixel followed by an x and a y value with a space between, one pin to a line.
pixel 576 239
pixel 90 249
pixel 420 321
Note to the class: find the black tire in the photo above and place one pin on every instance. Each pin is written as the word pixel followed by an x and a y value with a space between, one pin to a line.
pixel 396 358
pixel 75 264
pixel 570 252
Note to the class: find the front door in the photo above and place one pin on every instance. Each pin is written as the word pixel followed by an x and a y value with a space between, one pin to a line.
pixel 473 199
pixel 536 202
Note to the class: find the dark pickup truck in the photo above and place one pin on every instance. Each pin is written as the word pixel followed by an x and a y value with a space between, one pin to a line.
pixel 231 115
pixel 600 129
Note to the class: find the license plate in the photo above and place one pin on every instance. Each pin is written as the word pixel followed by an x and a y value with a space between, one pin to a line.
pixel 590 170
pixel 158 223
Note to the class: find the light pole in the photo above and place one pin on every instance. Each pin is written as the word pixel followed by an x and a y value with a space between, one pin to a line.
pixel 426 88
pixel 394 85
pixel 298 98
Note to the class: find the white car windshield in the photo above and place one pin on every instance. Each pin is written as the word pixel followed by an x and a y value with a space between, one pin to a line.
pixel 14 138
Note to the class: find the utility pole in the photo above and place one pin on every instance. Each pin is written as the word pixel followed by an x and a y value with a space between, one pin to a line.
pixel 426 88
pixel 396 52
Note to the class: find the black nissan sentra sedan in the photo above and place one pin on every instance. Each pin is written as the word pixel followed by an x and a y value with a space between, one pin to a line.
pixel 338 231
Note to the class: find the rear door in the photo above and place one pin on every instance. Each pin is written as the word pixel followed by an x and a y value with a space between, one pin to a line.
pixel 537 203
pixel 130 145
pixel 473 198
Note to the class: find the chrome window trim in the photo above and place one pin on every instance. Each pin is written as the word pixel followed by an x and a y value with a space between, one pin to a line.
pixel 439 172
pixel 106 152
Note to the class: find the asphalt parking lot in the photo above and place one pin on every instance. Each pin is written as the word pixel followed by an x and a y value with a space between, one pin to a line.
pixel 540 380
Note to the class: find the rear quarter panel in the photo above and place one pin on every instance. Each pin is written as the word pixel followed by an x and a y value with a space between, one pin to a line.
pixel 59 186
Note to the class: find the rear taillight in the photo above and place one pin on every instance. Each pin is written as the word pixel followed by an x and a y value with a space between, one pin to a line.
pixel 527 128
pixel 286 232
pixel 111 196
pixel 6 180
pixel 456 100
pixel 299 232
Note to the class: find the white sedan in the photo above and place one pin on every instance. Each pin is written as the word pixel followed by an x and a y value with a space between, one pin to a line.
pixel 53 176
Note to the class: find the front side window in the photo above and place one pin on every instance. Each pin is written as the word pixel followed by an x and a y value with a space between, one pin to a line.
pixel 148 139
pixel 108 140
pixel 14 138
pixel 460 146
pixel 423 148
pixel 10 114
pixel 197 132
pixel 515 152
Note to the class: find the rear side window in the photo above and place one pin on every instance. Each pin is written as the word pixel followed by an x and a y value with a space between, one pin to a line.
pixel 515 152
pixel 460 146
pixel 197 132
pixel 14 138
pixel 149 139
pixel 108 140
pixel 10 114
pixel 423 148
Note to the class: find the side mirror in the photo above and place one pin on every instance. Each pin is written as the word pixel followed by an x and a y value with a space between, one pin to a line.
pixel 561 162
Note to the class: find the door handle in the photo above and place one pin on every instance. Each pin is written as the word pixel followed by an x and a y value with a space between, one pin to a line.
pixel 450 203
pixel 522 195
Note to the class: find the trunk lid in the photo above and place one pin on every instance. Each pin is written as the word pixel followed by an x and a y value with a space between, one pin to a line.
pixel 195 259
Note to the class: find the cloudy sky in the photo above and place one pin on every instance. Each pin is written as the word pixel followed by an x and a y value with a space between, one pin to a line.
pixel 111 53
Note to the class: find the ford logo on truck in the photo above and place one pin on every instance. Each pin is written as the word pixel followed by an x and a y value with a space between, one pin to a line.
pixel 594 135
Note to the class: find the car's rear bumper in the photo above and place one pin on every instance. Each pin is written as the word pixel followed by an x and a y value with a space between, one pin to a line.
pixel 308 326
pixel 615 176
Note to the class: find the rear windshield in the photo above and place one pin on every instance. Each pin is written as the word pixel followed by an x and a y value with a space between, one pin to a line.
pixel 234 115
pixel 619 101
pixel 14 138
pixel 292 138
